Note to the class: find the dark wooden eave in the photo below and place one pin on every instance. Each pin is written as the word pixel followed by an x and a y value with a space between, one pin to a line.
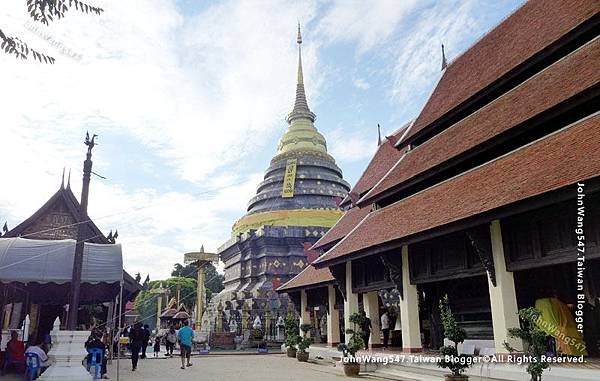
pixel 66 196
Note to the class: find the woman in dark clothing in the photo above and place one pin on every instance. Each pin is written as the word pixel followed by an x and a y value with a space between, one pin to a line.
pixel 170 341
pixel 365 329
pixel 136 339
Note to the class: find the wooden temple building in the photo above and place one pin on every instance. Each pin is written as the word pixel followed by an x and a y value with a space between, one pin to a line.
pixel 295 204
pixel 491 195
pixel 44 301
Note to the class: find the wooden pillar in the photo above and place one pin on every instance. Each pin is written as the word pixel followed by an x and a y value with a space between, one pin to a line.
pixel 34 320
pixel 333 319
pixel 7 314
pixel 409 310
pixel 304 313
pixel 503 296
pixel 371 306
pixel 351 302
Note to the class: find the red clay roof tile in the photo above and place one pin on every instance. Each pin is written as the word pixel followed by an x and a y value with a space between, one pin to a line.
pixel 349 220
pixel 308 277
pixel 545 165
pixel 573 74
pixel 534 26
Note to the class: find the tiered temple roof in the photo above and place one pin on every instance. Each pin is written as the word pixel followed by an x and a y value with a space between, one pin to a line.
pixel 526 36
pixel 502 127
pixel 548 164
pixel 570 76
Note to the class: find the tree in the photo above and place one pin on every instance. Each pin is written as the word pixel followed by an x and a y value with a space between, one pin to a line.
pixel 43 11
pixel 213 281
pixel 146 303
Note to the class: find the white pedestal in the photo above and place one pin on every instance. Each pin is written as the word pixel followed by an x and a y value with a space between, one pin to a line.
pixel 67 355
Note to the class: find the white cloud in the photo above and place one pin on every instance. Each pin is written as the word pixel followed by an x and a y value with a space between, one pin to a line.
pixel 199 93
pixel 369 23
pixel 419 61
pixel 361 84
pixel 195 98
pixel 351 146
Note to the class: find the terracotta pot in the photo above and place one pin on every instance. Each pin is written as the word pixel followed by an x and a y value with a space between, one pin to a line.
pixel 351 369
pixel 302 356
pixel 291 352
pixel 451 377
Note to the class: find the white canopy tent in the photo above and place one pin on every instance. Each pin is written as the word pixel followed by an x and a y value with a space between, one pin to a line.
pixel 42 261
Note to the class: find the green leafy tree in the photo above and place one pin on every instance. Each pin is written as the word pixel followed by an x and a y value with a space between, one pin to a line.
pixel 213 281
pixel 42 11
pixel 453 332
pixel 146 302
pixel 535 339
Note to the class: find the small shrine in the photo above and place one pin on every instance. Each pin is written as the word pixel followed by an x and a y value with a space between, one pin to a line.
pixel 174 315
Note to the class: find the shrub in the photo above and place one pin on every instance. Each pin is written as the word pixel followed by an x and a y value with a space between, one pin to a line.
pixel 355 343
pixel 456 334
pixel 304 342
pixel 535 339
pixel 291 331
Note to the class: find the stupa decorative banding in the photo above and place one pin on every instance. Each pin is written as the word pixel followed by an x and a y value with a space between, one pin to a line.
pixel 295 204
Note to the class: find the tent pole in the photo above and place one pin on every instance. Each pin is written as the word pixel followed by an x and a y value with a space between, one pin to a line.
pixel 119 330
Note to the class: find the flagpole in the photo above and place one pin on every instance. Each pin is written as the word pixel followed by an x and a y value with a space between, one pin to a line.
pixel 119 330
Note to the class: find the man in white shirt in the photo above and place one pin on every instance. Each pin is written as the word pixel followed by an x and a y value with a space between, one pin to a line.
pixel 42 356
pixel 385 328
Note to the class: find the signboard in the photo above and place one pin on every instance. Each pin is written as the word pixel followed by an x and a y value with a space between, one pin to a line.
pixel 289 178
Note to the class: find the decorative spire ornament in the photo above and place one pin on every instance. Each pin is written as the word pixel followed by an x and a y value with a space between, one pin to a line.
pixel 378 135
pixel 444 62
pixel 301 109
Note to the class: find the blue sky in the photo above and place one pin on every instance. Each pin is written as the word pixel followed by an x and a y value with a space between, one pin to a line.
pixel 189 99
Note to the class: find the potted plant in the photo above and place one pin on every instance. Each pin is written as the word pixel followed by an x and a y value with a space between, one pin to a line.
pixel 291 335
pixel 449 353
pixel 262 347
pixel 304 343
pixel 535 339
pixel 355 343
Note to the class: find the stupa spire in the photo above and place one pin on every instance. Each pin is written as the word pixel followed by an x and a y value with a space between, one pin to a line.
pixel 301 109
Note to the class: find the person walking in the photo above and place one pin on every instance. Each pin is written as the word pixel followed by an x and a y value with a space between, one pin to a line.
pixel 145 340
pixel 365 329
pixel 185 336
pixel 385 328
pixel 136 339
pixel 170 341
pixel 156 346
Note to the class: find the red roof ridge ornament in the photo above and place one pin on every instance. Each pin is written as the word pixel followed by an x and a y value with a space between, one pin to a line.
pixel 354 197
pixel 392 139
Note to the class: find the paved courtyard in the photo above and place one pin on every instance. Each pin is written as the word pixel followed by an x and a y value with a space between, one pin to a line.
pixel 229 367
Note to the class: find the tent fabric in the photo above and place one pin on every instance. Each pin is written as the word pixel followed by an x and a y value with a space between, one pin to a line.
pixel 51 261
